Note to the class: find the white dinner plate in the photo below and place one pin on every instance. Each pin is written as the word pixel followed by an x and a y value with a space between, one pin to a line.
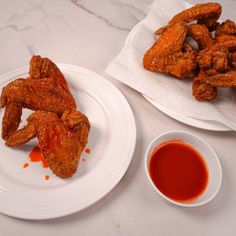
pixel 24 193
pixel 202 124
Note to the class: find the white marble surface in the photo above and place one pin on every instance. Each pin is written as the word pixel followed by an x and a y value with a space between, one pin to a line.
pixel 90 33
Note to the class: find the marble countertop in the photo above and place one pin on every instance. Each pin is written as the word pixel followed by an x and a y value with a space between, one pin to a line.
pixel 90 33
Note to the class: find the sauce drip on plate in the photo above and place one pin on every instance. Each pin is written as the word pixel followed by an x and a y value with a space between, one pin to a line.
pixel 26 165
pixel 36 156
pixel 87 150
pixel 46 177
pixel 178 171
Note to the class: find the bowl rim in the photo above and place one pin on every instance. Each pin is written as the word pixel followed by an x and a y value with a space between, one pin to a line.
pixel 182 204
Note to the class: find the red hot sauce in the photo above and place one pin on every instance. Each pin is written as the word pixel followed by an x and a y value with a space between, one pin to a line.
pixel 36 156
pixel 178 171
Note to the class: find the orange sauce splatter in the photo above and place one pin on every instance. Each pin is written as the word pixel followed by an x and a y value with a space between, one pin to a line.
pixel 46 177
pixel 36 156
pixel 87 150
pixel 26 165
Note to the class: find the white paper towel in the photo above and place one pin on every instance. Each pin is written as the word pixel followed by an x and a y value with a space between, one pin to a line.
pixel 167 91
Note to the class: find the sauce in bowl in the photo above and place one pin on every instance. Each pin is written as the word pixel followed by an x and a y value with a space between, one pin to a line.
pixel 178 171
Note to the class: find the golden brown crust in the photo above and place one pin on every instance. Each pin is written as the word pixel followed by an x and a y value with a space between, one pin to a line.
pixel 206 13
pixel 45 68
pixel 11 118
pixel 216 57
pixel 40 94
pixel 228 27
pixel 46 89
pixel 169 55
pixel 201 35
pixel 201 90
pixel 60 140
pixel 222 80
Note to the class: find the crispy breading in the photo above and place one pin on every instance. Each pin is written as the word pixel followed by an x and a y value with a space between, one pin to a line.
pixel 60 140
pixel 222 80
pixel 205 13
pixel 41 94
pixel 11 118
pixel 170 55
pixel 201 35
pixel 201 90
pixel 228 27
pixel 45 89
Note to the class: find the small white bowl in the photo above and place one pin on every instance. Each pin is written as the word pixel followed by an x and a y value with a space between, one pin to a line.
pixel 208 154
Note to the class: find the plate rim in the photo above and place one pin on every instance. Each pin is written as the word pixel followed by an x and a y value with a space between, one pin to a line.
pixel 128 157
pixel 201 124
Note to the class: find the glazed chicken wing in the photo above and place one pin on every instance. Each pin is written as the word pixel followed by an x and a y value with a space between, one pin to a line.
pixel 170 55
pixel 61 140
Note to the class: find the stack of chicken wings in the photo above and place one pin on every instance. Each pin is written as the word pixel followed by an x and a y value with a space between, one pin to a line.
pixel 211 65
pixel 62 131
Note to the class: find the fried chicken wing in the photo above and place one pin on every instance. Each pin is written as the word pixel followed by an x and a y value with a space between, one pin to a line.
pixel 205 13
pixel 201 35
pixel 216 58
pixel 11 118
pixel 60 140
pixel 205 87
pixel 49 93
pixel 170 55
pixel 221 80
pixel 228 27
pixel 232 60
pixel 201 90
pixel 42 94
pixel 45 68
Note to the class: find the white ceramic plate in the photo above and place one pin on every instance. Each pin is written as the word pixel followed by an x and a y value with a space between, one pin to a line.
pixel 24 193
pixel 202 124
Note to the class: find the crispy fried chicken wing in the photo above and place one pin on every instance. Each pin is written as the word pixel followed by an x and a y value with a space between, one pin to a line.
pixel 228 27
pixel 216 58
pixel 60 140
pixel 205 13
pixel 201 90
pixel 216 63
pixel 232 60
pixel 221 80
pixel 45 89
pixel 45 68
pixel 11 118
pixel 42 94
pixel 201 35
pixel 170 55
pixel 205 87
